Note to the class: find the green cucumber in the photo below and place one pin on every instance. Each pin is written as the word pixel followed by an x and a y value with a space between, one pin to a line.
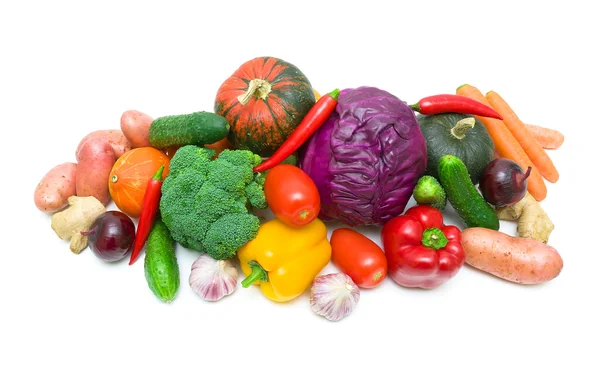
pixel 199 128
pixel 463 196
pixel 160 264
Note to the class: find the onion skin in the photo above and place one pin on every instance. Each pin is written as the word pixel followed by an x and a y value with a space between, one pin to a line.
pixel 503 182
pixel 111 236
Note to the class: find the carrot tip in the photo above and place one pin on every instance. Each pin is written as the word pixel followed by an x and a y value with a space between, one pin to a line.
pixel 461 86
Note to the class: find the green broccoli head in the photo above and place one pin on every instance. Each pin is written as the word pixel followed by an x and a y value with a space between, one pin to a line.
pixel 176 209
pixel 213 202
pixel 228 233
pixel 205 202
pixel 191 158
pixel 256 195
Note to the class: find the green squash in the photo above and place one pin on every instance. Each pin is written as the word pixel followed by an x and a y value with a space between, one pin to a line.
pixel 463 136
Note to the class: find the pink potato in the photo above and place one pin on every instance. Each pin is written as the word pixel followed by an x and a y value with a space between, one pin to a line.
pixel 95 160
pixel 135 126
pixel 114 137
pixel 515 259
pixel 55 188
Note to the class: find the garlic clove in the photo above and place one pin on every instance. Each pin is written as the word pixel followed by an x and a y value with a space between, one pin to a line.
pixel 334 296
pixel 213 279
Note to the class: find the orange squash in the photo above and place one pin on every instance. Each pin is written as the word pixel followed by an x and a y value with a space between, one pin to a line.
pixel 264 100
pixel 129 177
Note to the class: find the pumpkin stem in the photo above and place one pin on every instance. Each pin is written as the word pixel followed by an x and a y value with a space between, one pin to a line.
pixel 258 88
pixel 462 126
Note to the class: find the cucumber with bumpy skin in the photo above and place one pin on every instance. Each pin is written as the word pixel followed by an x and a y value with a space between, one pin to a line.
pixel 160 264
pixel 463 196
pixel 199 128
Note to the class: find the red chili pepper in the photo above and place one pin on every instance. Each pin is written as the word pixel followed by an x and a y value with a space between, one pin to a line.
pixel 447 103
pixel 420 250
pixel 316 116
pixel 149 210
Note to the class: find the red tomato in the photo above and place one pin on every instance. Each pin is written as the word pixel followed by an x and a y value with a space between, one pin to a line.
pixel 292 195
pixel 359 257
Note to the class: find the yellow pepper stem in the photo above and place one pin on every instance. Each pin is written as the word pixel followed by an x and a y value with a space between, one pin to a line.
pixel 258 274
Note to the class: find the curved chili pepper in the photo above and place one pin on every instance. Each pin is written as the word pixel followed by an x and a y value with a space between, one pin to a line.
pixel 316 116
pixel 149 210
pixel 448 103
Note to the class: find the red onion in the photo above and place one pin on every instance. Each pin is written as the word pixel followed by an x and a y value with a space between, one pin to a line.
pixel 111 236
pixel 503 182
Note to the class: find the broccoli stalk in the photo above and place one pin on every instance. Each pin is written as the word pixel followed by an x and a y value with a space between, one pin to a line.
pixel 205 202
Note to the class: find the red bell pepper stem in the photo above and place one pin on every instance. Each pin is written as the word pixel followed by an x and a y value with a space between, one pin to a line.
pixel 316 116
pixel 434 238
pixel 149 210
pixel 448 103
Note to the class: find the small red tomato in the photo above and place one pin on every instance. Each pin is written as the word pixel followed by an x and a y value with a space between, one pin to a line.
pixel 359 257
pixel 292 195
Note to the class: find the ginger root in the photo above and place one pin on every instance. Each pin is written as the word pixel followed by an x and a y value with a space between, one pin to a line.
pixel 77 218
pixel 533 222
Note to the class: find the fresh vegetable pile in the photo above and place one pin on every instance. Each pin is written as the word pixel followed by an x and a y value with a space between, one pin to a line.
pixel 355 156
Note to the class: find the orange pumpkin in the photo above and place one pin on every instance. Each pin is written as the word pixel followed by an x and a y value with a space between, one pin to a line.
pixel 129 177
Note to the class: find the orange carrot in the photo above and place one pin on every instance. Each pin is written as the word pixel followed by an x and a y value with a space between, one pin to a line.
pixel 548 138
pixel 507 145
pixel 533 149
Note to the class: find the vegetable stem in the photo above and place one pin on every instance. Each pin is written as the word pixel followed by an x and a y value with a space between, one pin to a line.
pixel 434 238
pixel 415 107
pixel 88 232
pixel 462 127
pixel 158 175
pixel 334 94
pixel 527 173
pixel 258 274
pixel 258 88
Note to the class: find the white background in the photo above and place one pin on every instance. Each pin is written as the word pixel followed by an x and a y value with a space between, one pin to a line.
pixel 68 69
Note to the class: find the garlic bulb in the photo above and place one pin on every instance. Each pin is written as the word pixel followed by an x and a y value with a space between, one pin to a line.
pixel 334 296
pixel 213 279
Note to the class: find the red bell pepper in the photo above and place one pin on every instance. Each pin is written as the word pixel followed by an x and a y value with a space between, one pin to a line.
pixel 421 251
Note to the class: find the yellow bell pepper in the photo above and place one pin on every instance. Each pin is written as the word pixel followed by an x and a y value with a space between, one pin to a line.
pixel 284 260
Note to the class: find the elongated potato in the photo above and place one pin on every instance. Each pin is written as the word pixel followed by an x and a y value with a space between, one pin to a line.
pixel 515 259
pixel 55 188
pixel 114 137
pixel 95 161
pixel 135 126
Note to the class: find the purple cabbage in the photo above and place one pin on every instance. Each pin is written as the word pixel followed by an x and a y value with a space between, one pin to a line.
pixel 366 158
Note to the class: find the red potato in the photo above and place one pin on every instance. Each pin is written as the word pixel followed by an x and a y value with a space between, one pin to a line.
pixel 55 188
pixel 114 137
pixel 95 161
pixel 515 259
pixel 135 126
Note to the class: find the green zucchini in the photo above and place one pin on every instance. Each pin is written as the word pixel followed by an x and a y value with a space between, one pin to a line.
pixel 199 128
pixel 463 196
pixel 160 264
